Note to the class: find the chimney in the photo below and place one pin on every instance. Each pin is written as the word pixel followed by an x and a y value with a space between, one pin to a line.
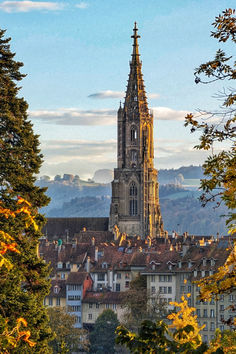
pixel 93 241
pixel 96 254
pixel 88 265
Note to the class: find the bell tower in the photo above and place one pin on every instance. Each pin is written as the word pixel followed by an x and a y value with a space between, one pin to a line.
pixel 135 204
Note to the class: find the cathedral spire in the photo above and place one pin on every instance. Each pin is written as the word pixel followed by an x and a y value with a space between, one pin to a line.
pixel 135 92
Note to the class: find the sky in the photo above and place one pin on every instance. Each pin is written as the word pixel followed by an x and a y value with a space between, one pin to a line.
pixel 76 56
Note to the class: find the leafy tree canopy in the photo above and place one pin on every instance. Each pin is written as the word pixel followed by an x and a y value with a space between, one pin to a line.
pixel 102 338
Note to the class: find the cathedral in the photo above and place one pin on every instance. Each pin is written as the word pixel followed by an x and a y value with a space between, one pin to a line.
pixel 135 207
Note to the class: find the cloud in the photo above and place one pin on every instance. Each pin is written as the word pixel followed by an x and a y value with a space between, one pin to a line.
pixel 107 94
pixel 116 94
pixel 95 117
pixel 153 95
pixel 165 113
pixel 26 6
pixel 82 157
pixel 75 116
pixel 82 5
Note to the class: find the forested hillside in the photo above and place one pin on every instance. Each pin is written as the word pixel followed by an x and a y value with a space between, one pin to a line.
pixel 181 210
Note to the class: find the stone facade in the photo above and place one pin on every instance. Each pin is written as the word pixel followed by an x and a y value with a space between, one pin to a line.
pixel 135 204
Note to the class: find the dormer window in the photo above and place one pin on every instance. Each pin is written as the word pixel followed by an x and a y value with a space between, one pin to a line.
pixel 195 273
pixel 212 262
pixel 56 289
pixel 204 262
pixel 180 264
pixel 189 264
pixel 67 265
pixel 59 265
pixel 153 266
pixel 104 265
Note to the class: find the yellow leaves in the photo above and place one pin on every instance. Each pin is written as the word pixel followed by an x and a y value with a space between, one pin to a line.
pixel 183 318
pixel 12 337
pixel 7 241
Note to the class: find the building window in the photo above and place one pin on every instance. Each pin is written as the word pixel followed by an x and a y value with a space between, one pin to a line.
pixel 221 297
pixel 153 278
pixel 189 288
pixel 74 287
pixel 221 328
pixel 212 313
pixel 75 308
pixel 97 306
pixel 206 327
pixel 222 308
pixel 59 265
pixel 133 203
pixel 198 313
pixel 58 302
pixel 153 289
pixel 127 284
pixel 205 338
pixel 117 287
pixel 165 278
pixel 133 207
pixel 118 276
pixel 114 306
pixel 50 301
pixel 90 316
pixel 163 289
pixel 73 297
pixel 56 289
pixel 101 276
pixel 62 275
pixel 90 306
pixel 133 155
pixel 127 276
pixel 205 313
pixel 107 306
pixel 182 289
pixel 133 134
pixel 212 326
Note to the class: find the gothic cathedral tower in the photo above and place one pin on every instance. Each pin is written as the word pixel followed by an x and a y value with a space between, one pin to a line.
pixel 135 207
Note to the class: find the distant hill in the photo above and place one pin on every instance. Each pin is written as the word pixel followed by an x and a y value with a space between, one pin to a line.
pixel 179 175
pixel 181 210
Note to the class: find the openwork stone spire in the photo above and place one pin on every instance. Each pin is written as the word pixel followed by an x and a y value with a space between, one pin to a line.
pixel 135 196
pixel 135 93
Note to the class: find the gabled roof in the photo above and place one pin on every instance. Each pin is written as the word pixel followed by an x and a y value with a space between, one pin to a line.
pixel 77 278
pixel 109 297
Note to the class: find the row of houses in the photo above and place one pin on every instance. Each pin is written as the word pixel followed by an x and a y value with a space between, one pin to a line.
pixel 91 274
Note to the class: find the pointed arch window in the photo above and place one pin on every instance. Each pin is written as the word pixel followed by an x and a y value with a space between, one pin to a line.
pixel 133 135
pixel 133 202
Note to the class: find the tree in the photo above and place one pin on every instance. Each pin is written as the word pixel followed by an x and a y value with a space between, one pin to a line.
pixel 102 338
pixel 139 305
pixel 11 336
pixel 67 339
pixel 219 168
pixel 23 289
pixel 181 336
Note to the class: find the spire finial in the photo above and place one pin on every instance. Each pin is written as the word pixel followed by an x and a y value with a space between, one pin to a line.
pixel 135 29
pixel 135 36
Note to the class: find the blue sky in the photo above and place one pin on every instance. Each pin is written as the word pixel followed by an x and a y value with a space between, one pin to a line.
pixel 76 55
